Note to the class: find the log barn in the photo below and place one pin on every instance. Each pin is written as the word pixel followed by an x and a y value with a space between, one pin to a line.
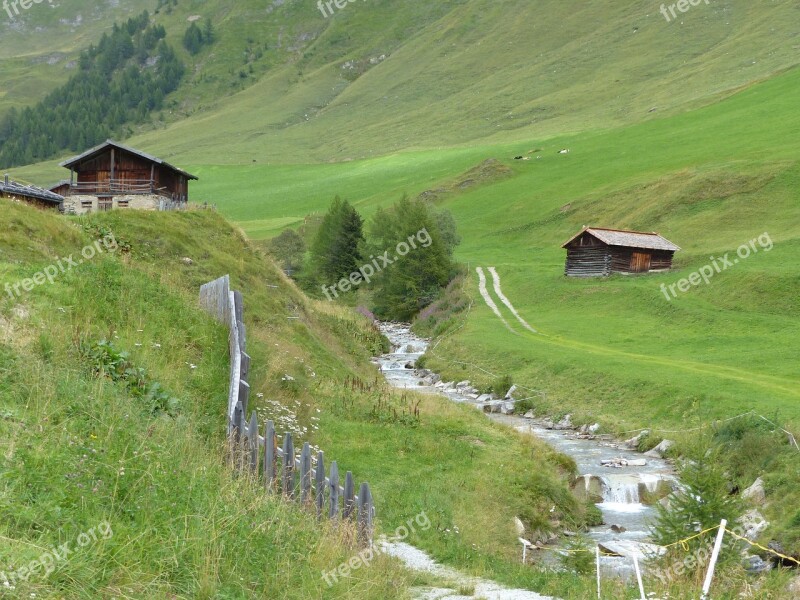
pixel 30 194
pixel 599 252
pixel 115 170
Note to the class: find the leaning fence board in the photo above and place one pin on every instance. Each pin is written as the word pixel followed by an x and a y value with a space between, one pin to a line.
pixel 287 486
pixel 305 473
pixel 319 484
pixel 349 496
pixel 333 487
pixel 252 443
pixel 269 456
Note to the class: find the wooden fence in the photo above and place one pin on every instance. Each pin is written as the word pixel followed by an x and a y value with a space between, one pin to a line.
pixel 296 477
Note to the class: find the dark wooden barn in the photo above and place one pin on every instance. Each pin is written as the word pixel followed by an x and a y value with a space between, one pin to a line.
pixel 30 194
pixel 598 252
pixel 112 169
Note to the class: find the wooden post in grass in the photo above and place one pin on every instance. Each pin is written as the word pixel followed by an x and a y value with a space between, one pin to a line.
pixel 287 485
pixel 244 395
pixel 252 439
pixel 364 515
pixel 333 512
pixel 269 456
pixel 236 438
pixel 319 484
pixel 349 497
pixel 714 556
pixel 305 473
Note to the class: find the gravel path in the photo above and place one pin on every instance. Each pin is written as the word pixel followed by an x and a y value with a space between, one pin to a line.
pixel 417 560
pixel 499 291
pixel 488 299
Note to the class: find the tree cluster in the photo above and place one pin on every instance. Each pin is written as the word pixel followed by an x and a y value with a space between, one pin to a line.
pixel 195 38
pixel 417 242
pixel 120 81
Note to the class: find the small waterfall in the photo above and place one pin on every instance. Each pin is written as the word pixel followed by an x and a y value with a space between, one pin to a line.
pixel 621 489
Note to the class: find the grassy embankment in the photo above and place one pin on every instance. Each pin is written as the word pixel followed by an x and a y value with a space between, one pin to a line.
pixel 79 449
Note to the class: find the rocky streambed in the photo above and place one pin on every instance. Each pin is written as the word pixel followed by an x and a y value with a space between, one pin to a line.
pixel 623 483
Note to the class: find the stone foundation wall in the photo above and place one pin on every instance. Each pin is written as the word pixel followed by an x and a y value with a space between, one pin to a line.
pixel 81 205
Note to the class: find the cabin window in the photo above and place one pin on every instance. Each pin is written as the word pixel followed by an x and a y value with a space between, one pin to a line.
pixel 86 204
pixel 122 203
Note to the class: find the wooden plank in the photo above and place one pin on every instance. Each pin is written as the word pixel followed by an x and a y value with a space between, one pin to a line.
pixel 252 442
pixel 214 298
pixel 319 484
pixel 238 305
pixel 364 515
pixel 236 438
pixel 348 511
pixel 244 369
pixel 305 473
pixel 244 395
pixel 287 481
pixel 269 456
pixel 242 335
pixel 333 491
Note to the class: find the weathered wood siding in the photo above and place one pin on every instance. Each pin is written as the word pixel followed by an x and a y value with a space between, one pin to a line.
pixel 588 262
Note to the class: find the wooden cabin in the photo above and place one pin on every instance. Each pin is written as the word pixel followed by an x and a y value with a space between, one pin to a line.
pixel 30 194
pixel 113 169
pixel 598 252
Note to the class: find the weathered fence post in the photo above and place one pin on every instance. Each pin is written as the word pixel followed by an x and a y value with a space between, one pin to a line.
pixel 287 484
pixel 244 368
pixel 269 456
pixel 252 439
pixel 333 512
pixel 236 437
pixel 349 496
pixel 244 395
pixel 305 473
pixel 364 515
pixel 319 484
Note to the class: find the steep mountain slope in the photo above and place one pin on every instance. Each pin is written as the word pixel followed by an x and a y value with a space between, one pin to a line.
pixel 378 77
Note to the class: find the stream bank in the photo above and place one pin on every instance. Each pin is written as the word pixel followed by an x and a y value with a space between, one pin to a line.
pixel 623 484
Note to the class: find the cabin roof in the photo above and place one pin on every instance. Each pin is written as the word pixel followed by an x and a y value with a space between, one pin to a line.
pixel 29 191
pixel 100 148
pixel 631 239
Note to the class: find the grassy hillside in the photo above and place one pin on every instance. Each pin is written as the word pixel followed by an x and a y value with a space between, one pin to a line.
pixel 284 84
pixel 80 450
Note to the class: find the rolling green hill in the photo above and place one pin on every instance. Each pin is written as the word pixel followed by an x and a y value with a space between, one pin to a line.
pixel 688 127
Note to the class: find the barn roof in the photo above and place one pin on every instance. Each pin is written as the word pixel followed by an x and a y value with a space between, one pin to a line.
pixel 29 191
pixel 99 149
pixel 631 239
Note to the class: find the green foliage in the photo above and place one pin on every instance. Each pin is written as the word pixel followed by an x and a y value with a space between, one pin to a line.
pixel 288 249
pixel 106 360
pixel 578 556
pixel 195 38
pixel 501 385
pixel 421 259
pixel 701 502
pixel 113 88
pixel 335 252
